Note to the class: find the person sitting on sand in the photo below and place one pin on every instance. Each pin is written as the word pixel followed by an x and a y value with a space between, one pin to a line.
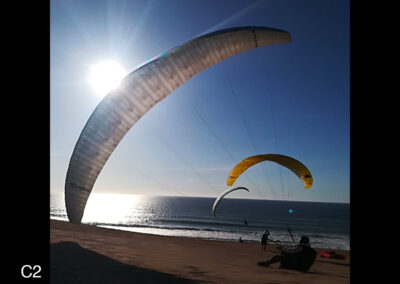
pixel 264 239
pixel 301 257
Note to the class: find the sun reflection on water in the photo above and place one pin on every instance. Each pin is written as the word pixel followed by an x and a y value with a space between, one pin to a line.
pixel 107 208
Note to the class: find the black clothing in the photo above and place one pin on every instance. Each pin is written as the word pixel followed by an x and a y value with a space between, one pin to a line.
pixel 301 258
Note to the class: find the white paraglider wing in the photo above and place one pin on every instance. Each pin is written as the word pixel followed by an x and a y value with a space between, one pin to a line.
pixel 139 92
pixel 219 198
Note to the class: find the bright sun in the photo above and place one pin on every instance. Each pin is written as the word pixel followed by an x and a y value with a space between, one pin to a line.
pixel 106 76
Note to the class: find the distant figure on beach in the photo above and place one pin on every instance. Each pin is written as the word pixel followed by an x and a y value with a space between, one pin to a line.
pixel 301 257
pixel 240 240
pixel 264 239
pixel 245 222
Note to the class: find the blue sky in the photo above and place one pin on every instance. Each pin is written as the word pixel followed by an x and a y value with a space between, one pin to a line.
pixel 291 98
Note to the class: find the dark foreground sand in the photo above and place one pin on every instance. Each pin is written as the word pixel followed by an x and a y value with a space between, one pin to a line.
pixel 88 254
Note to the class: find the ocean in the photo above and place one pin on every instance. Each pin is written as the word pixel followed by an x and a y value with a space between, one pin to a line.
pixel 326 224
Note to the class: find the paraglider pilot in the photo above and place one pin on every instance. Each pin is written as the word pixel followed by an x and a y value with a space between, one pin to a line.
pixel 301 257
pixel 264 239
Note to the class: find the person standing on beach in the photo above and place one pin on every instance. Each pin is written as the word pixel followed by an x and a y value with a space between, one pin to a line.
pixel 301 257
pixel 264 239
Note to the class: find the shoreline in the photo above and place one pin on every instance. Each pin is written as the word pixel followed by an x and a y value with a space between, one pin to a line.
pixel 90 253
pixel 288 244
pixel 120 228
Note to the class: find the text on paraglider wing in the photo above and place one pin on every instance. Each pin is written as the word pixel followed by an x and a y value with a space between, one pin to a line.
pixel 80 187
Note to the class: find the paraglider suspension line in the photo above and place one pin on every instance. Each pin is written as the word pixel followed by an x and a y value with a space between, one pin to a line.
pixel 255 38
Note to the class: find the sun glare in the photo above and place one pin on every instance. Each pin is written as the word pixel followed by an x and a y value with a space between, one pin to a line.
pixel 106 76
pixel 110 208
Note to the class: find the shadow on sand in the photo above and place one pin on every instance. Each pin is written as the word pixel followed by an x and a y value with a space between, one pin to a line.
pixel 335 263
pixel 71 263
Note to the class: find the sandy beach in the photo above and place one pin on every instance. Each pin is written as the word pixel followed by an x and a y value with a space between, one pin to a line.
pixel 89 254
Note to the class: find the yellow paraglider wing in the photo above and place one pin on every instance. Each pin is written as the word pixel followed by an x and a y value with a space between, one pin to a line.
pixel 292 164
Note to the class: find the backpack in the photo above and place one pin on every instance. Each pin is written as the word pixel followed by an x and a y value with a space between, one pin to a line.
pixel 302 260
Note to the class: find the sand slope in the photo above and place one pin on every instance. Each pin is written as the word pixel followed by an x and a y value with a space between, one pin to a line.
pixel 88 254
